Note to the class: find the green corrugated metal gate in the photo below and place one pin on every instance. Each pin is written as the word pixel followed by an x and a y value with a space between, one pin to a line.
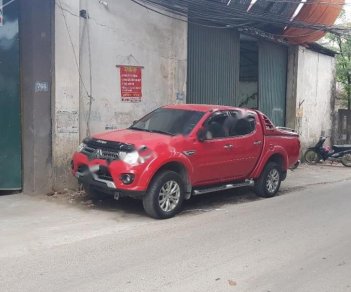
pixel 213 71
pixel 10 122
pixel 213 65
pixel 272 72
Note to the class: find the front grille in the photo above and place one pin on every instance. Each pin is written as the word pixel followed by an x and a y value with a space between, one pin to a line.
pixel 108 145
pixel 107 150
pixel 103 154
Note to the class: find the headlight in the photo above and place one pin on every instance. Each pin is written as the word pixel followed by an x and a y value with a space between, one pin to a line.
pixel 136 157
pixel 81 147
pixel 130 157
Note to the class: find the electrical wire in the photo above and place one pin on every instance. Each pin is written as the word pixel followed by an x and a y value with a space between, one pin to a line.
pixel 8 3
pixel 72 45
pixel 220 14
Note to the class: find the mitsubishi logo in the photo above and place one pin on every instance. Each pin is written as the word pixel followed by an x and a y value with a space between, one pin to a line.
pixel 97 154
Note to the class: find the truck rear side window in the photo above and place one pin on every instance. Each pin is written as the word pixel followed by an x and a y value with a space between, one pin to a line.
pixel 230 124
pixel 244 126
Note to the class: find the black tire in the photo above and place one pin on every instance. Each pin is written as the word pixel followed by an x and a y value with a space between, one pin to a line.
pixel 155 200
pixel 311 157
pixel 269 182
pixel 346 160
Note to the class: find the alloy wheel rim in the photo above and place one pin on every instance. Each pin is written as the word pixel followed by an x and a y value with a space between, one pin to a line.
pixel 169 196
pixel 272 180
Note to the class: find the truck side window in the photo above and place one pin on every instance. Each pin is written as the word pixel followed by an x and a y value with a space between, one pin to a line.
pixel 215 126
pixel 238 125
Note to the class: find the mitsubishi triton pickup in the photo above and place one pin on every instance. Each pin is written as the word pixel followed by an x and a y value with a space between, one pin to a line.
pixel 179 151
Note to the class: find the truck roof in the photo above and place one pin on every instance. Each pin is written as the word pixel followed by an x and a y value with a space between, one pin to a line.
pixel 202 107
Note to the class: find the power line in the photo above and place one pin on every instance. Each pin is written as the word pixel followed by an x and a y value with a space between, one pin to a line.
pixel 222 15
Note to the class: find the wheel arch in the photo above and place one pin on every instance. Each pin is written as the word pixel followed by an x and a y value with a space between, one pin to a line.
pixel 179 168
pixel 279 159
pixel 279 156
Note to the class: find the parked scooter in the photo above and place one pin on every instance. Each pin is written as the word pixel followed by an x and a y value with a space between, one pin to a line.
pixel 337 153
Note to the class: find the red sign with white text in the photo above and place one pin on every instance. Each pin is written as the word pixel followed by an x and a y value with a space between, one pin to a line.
pixel 131 83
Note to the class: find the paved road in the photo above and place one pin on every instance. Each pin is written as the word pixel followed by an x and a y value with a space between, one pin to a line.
pixel 298 241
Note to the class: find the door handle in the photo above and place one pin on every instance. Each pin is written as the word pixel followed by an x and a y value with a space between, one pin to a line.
pixel 257 142
pixel 228 146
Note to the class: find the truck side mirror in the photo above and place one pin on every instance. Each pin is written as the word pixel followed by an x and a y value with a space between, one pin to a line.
pixel 201 134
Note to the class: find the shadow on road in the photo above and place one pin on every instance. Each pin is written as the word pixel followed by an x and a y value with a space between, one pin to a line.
pixel 128 206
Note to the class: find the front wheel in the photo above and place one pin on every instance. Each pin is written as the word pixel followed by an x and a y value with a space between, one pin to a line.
pixel 311 157
pixel 346 160
pixel 269 182
pixel 165 195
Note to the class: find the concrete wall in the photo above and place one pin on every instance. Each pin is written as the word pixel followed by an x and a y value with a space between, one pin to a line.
pixel 315 85
pixel 126 34
pixel 65 106
pixel 36 74
pixel 88 101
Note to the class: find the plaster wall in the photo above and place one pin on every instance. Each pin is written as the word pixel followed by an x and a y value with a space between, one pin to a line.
pixel 124 33
pixel 314 95
pixel 36 69
pixel 65 105
pixel 91 41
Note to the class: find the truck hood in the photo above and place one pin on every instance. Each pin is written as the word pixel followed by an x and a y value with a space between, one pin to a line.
pixel 137 138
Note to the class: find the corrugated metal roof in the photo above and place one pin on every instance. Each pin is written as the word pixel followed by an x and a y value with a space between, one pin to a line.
pixel 275 7
pixel 316 12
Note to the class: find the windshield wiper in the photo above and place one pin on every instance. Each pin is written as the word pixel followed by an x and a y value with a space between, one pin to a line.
pixel 152 131
pixel 162 132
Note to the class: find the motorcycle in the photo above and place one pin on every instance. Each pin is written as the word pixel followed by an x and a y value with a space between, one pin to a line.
pixel 337 153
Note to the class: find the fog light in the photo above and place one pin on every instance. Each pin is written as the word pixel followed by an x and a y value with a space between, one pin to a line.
pixel 127 178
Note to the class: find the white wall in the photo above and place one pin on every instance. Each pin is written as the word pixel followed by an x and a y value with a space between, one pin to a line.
pixel 246 89
pixel 125 33
pixel 314 92
pixel 65 106
pixel 86 54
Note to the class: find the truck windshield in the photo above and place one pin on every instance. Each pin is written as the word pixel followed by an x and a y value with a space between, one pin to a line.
pixel 169 121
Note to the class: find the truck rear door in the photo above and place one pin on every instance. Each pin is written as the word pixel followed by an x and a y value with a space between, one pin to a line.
pixel 246 138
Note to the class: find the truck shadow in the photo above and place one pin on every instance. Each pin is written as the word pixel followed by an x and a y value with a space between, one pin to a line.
pixel 197 204
pixel 216 201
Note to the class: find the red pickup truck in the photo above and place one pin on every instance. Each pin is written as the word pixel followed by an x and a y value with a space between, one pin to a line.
pixel 178 151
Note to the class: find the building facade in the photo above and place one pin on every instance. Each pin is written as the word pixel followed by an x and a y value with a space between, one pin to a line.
pixel 89 66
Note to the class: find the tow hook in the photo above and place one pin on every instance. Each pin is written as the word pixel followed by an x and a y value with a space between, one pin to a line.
pixel 116 196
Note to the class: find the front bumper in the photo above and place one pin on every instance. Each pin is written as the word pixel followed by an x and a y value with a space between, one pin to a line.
pixel 94 183
pixel 88 173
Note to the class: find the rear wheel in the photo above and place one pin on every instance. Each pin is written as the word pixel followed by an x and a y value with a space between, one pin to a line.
pixel 269 182
pixel 311 157
pixel 346 160
pixel 165 195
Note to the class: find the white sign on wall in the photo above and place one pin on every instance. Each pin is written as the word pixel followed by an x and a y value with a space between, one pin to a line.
pixel 1 14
